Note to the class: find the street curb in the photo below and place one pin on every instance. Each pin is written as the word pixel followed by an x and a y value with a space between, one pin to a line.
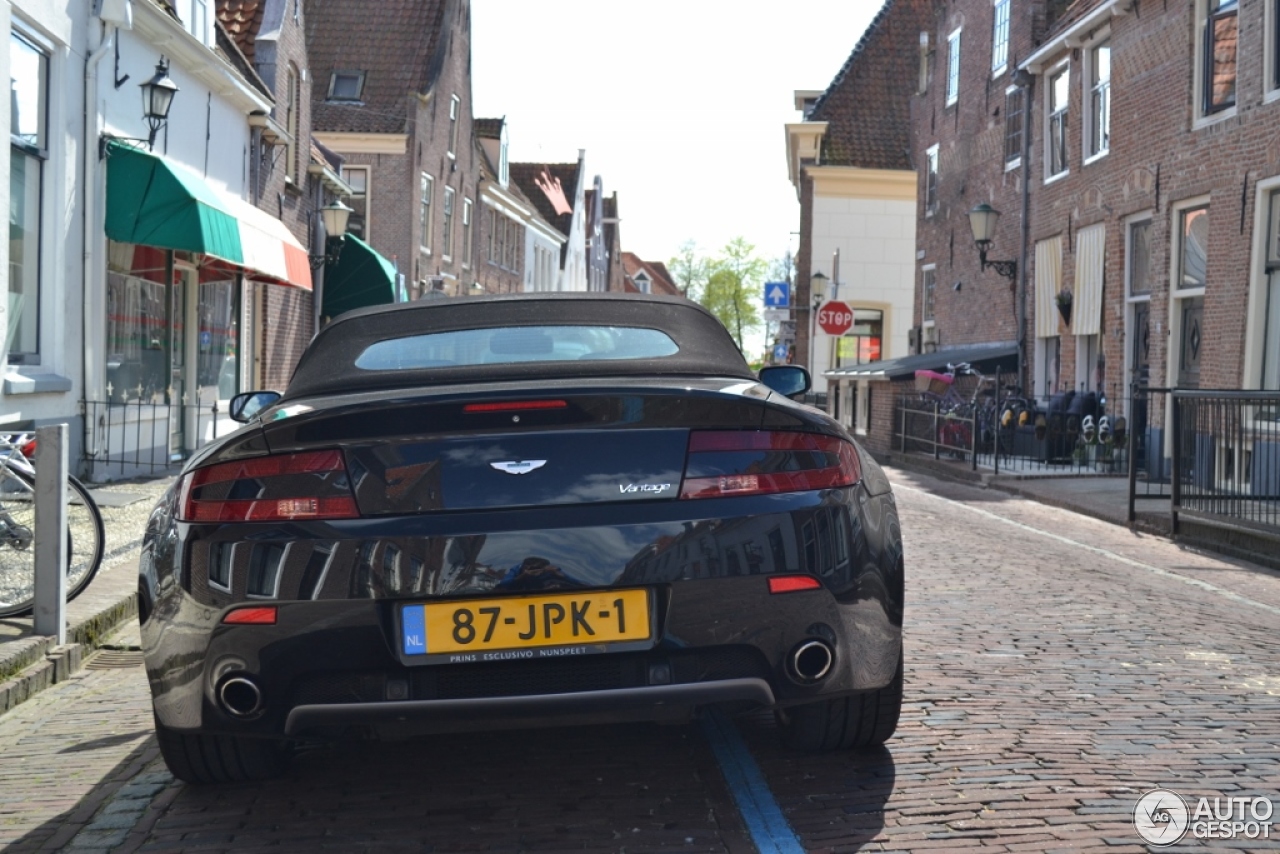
pixel 42 663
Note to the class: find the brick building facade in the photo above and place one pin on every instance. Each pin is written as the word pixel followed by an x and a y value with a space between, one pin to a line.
pixel 272 37
pixel 392 95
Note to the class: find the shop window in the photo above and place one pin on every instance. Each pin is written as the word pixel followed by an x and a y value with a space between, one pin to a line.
pixel 863 342
pixel 28 151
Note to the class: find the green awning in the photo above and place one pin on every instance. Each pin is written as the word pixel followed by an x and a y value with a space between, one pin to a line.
pixel 154 202
pixel 361 278
pixel 151 203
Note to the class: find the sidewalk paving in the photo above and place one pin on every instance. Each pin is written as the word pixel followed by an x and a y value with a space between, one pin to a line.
pixel 29 663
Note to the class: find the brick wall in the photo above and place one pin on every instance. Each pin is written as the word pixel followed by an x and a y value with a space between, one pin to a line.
pixel 1162 155
pixel 970 305
pixel 1159 158
pixel 283 189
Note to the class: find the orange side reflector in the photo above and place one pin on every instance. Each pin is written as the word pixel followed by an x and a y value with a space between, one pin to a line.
pixel 259 616
pixel 792 583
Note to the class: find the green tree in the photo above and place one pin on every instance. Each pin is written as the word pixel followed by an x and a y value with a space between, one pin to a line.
pixel 734 287
pixel 690 270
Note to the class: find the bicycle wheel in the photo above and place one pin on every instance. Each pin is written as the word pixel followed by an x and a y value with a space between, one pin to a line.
pixel 85 541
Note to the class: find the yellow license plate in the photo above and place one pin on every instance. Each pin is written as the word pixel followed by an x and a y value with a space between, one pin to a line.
pixel 526 622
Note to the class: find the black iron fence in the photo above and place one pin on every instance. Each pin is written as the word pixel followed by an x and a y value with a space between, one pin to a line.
pixel 988 424
pixel 1223 457
pixel 137 438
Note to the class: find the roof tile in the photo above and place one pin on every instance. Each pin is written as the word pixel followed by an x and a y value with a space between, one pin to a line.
pixel 399 45
pixel 868 104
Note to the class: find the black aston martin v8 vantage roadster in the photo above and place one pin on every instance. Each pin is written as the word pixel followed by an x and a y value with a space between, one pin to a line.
pixel 518 510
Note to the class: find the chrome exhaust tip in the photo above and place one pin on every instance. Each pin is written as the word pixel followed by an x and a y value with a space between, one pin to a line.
pixel 240 697
pixel 811 661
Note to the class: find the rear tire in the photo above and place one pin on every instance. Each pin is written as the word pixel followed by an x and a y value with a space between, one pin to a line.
pixel 200 759
pixel 858 720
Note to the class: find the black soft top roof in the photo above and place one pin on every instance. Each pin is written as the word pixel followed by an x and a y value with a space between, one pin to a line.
pixel 328 365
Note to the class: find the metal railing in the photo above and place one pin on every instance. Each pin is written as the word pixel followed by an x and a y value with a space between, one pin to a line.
pixel 1223 451
pixel 137 438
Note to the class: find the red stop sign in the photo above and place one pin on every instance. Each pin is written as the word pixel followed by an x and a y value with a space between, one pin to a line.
pixel 835 317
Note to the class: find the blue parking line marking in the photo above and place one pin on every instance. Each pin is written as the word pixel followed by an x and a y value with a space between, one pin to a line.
pixel 763 817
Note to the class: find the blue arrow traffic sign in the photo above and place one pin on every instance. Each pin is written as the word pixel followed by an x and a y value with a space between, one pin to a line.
pixel 777 295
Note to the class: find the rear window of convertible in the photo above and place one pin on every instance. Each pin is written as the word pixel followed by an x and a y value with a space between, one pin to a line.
pixel 507 344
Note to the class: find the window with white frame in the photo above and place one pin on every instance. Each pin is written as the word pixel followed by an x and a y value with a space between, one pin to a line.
pixel 1048 365
pixel 426 189
pixel 999 37
pixel 1089 368
pixel 1015 125
pixel 28 151
pixel 446 237
pixel 928 280
pixel 194 17
pixel 1270 379
pixel 346 86
pixel 862 408
pixel 492 248
pixel 292 122
pixel 1194 248
pixel 1216 48
pixel 931 180
pixel 1138 266
pixel 1098 131
pixel 953 67
pixel 357 178
pixel 1271 48
pixel 466 232
pixel 454 107
pixel 1056 102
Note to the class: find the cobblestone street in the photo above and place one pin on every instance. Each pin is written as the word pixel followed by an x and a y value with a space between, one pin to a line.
pixel 1058 667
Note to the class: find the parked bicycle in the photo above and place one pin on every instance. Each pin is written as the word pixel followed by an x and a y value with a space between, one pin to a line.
pixel 85 533
pixel 959 415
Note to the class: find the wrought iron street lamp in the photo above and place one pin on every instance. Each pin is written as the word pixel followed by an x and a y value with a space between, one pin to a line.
pixel 157 98
pixel 982 220
pixel 334 217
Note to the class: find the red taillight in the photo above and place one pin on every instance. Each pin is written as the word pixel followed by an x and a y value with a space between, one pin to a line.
pixel 29 449
pixel 515 406
pixel 260 616
pixel 304 486
pixel 756 462
pixel 792 583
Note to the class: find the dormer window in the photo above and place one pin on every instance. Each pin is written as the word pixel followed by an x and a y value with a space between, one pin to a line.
pixel 643 282
pixel 346 86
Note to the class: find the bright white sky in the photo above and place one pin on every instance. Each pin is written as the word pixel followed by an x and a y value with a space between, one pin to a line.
pixel 680 104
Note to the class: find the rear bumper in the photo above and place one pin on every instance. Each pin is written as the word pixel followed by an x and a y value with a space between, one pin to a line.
pixel 629 703
pixel 332 657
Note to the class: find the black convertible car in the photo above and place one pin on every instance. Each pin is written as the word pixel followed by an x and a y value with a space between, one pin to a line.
pixel 518 510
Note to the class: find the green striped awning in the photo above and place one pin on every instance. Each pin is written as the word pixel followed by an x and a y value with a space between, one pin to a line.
pixel 153 202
